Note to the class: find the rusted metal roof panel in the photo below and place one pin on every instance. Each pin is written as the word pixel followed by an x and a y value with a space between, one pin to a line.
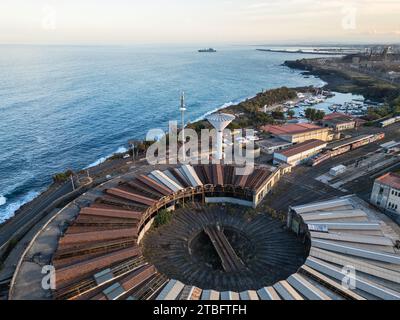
pixel 155 185
pixel 78 270
pixel 131 196
pixel 98 236
pixel 137 277
pixel 114 213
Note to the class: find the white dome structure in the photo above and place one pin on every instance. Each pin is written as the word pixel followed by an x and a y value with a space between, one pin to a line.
pixel 220 121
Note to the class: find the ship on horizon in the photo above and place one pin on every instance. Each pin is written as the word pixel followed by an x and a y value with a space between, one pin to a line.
pixel 208 50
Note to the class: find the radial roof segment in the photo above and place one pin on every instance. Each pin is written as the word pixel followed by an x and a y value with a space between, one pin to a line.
pixel 220 120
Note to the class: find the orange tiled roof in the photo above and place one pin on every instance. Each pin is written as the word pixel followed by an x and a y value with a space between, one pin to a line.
pixel 301 147
pixel 291 128
pixel 390 179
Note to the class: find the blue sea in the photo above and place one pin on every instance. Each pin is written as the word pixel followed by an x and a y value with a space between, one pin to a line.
pixel 69 107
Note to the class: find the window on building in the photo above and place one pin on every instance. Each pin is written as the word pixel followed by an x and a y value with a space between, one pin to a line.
pixel 381 190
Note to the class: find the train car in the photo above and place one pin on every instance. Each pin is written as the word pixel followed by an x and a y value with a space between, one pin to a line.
pixel 389 122
pixel 377 137
pixel 321 158
pixel 340 151
pixel 360 144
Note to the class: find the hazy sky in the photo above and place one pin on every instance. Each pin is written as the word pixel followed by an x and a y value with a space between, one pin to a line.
pixel 198 21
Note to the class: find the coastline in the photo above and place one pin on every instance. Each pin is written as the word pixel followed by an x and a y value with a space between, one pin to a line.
pixel 229 107
pixel 330 81
pixel 347 81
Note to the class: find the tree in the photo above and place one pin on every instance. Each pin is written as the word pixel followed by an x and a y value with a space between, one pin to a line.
pixel 309 113
pixel 314 115
pixel 319 115
pixel 279 115
pixel 290 113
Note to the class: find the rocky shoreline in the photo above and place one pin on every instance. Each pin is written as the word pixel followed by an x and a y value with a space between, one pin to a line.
pixel 347 81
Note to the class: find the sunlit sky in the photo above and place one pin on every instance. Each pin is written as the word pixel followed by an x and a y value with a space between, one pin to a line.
pixel 198 21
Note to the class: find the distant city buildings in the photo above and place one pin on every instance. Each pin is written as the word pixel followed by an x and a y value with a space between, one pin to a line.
pixel 386 192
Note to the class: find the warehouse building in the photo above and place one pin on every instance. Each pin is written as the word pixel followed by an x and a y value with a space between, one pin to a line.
pixel 272 145
pixel 299 132
pixel 386 192
pixel 346 235
pixel 299 153
pixel 339 121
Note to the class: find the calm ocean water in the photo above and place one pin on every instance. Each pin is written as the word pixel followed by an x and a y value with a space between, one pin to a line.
pixel 67 107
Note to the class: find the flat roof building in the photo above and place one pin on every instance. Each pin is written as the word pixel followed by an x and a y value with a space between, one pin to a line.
pixel 299 132
pixel 272 145
pixel 339 121
pixel 299 153
pixel 386 194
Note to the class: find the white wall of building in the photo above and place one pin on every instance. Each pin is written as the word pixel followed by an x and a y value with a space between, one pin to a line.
pixel 386 197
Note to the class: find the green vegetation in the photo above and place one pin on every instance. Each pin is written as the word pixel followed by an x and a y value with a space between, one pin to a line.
pixel 62 177
pixel 250 214
pixel 162 218
pixel 386 111
pixel 267 98
pixel 278 115
pixel 291 114
pixel 250 110
pixel 375 113
pixel 314 114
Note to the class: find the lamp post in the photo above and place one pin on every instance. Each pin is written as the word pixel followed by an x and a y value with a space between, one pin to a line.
pixel 182 110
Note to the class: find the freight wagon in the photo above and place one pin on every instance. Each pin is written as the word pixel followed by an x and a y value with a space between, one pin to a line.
pixel 389 122
pixel 346 146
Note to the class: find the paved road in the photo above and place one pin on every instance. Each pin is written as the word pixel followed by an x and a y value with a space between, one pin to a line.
pixel 8 230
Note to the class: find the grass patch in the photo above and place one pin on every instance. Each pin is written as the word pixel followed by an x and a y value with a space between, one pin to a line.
pixel 163 217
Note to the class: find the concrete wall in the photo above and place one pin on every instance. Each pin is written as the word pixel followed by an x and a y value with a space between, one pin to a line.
pixel 229 200
pixel 386 197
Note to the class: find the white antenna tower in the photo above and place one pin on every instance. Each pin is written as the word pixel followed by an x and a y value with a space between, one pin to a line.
pixel 183 109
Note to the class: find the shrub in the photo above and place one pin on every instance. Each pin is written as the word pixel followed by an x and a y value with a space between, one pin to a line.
pixel 162 218
pixel 63 176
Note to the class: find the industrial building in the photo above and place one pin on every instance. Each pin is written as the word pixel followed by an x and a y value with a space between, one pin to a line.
pixel 272 145
pixel 299 153
pixel 346 232
pixel 339 121
pixel 386 192
pixel 299 133
pixel 99 255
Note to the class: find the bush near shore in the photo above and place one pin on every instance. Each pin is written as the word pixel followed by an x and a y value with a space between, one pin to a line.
pixel 63 176
pixel 249 110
